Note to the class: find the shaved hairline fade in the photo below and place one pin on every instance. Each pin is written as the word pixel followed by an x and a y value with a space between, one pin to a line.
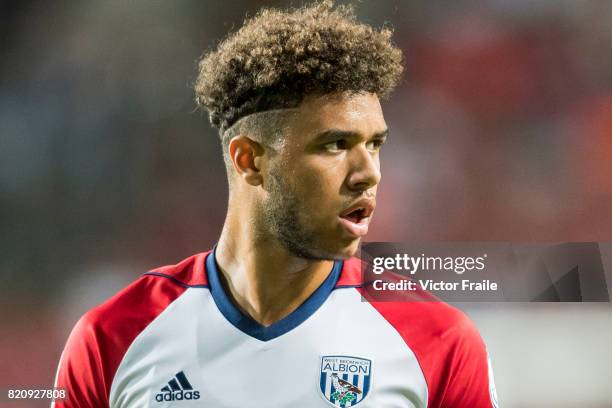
pixel 267 128
pixel 280 56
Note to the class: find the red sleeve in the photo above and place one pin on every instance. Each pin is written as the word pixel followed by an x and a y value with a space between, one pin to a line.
pixel 101 337
pixel 81 371
pixel 450 351
pixel 465 382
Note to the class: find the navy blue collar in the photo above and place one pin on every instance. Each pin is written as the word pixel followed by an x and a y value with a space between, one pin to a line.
pixel 248 325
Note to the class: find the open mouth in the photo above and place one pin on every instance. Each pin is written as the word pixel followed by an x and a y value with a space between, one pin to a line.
pixel 357 217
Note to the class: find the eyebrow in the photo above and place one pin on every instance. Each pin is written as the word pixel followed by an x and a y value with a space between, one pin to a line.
pixel 333 134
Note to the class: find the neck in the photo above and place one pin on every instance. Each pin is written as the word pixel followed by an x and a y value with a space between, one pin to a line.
pixel 263 279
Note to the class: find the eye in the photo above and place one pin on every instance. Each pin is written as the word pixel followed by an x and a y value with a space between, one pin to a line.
pixel 336 146
pixel 374 145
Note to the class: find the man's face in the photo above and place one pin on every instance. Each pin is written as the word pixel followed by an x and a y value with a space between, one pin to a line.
pixel 321 183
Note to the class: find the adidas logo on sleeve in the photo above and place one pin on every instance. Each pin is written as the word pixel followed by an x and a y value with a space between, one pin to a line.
pixel 178 389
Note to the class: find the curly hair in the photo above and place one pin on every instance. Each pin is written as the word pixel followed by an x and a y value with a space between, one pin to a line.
pixel 278 57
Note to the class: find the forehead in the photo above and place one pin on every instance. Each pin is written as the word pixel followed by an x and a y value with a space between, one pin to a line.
pixel 358 113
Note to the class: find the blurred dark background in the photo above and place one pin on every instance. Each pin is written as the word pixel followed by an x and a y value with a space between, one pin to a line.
pixel 500 130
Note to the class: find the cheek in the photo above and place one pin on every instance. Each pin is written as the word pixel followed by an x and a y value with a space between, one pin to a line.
pixel 326 172
pixel 317 180
pixel 322 186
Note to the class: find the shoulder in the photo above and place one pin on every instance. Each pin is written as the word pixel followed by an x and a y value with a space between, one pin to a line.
pixel 101 337
pixel 416 312
pixel 451 353
pixel 431 321
pixel 444 340
pixel 449 349
pixel 143 300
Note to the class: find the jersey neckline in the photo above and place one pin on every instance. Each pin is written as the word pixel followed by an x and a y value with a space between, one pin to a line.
pixel 251 327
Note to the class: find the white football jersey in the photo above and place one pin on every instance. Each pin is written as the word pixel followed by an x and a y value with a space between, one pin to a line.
pixel 173 338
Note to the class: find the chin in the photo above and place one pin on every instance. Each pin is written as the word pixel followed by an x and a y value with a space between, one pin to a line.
pixel 335 250
pixel 349 250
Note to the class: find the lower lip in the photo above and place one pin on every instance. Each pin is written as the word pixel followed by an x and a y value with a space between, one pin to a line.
pixel 358 229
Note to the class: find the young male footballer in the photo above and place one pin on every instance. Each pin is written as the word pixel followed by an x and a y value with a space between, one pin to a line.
pixel 272 316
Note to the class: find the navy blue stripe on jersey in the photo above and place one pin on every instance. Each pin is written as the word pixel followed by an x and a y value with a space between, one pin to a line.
pixel 248 325
pixel 349 286
pixel 172 278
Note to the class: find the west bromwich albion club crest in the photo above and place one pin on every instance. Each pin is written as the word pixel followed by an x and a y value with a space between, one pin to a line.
pixel 345 380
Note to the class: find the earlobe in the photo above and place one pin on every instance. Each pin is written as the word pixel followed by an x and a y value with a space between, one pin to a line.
pixel 244 153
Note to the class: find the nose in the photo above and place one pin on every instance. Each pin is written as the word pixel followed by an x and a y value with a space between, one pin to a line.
pixel 364 169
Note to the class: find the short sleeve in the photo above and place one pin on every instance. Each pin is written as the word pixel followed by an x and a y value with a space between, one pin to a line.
pixel 81 371
pixel 469 380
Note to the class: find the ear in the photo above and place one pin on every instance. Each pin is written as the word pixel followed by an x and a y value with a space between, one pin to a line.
pixel 246 155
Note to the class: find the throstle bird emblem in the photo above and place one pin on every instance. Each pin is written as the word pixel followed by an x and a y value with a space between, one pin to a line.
pixel 345 380
pixel 343 389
